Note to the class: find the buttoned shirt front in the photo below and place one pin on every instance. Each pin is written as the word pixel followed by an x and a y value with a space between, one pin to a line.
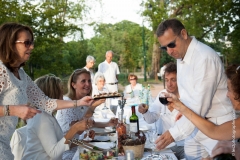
pixel 202 86
pixel 109 70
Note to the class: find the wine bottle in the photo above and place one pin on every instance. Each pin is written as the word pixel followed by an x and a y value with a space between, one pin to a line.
pixel 121 130
pixel 224 157
pixel 134 123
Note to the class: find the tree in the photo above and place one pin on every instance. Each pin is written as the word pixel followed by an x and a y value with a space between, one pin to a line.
pixel 204 19
pixel 124 39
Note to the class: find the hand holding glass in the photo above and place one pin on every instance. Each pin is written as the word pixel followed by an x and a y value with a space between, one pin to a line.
pixel 163 100
pixel 89 125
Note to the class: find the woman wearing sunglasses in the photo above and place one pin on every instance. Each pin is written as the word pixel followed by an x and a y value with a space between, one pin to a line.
pixel 227 131
pixel 79 85
pixel 17 90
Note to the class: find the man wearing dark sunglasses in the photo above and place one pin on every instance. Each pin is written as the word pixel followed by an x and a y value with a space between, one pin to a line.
pixel 202 87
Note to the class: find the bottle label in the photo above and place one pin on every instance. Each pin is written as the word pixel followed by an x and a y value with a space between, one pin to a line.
pixel 133 127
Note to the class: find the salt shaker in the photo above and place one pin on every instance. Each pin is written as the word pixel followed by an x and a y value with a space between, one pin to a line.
pixel 129 155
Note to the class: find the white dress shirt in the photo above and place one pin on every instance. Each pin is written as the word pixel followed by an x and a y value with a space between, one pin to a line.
pixel 18 142
pixel 164 118
pixel 45 139
pixel 110 71
pixel 202 86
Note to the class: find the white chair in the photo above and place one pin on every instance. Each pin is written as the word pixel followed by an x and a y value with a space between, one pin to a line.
pixel 18 142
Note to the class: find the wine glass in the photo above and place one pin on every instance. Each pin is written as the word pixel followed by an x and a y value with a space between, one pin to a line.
pixel 152 138
pixel 89 125
pixel 163 100
pixel 105 104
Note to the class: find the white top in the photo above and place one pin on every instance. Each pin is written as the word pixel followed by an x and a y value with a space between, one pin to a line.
pixel 202 86
pixel 162 70
pixel 109 70
pixel 136 90
pixel 18 142
pixel 45 139
pixel 98 110
pixel 65 118
pixel 91 73
pixel 14 92
pixel 164 117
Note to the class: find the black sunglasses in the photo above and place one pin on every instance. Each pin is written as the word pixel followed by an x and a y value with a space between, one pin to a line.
pixel 27 43
pixel 170 45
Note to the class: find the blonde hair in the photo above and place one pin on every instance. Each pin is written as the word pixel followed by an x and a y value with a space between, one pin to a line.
pixel 50 85
pixel 73 79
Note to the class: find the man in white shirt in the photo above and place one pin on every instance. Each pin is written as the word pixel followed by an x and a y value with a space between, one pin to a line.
pixel 110 71
pixel 90 61
pixel 202 87
pixel 160 114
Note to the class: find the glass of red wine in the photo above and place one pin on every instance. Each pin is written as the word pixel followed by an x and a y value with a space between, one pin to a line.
pixel 163 100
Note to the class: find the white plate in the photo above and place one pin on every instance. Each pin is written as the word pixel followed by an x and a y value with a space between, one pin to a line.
pixel 104 145
pixel 145 128
pixel 101 130
pixel 101 119
pixel 101 138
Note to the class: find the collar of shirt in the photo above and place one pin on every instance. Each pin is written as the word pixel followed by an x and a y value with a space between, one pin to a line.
pixel 190 51
pixel 107 62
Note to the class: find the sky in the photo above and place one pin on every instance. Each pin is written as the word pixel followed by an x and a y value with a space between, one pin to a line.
pixel 112 11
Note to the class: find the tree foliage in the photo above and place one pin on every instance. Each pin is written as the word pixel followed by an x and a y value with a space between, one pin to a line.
pixel 206 20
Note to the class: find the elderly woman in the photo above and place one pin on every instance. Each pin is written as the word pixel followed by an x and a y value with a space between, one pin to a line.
pixel 219 132
pixel 79 85
pixel 132 90
pixel 17 90
pixel 103 110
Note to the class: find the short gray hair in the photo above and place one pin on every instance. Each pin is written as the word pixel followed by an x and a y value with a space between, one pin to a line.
pixel 109 52
pixel 90 58
pixel 98 76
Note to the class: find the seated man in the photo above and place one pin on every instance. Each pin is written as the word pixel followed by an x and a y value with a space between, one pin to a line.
pixel 165 117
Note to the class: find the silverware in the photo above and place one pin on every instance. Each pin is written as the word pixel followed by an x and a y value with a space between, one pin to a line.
pixel 88 145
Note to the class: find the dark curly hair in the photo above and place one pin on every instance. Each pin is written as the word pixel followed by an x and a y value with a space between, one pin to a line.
pixel 233 74
pixel 171 67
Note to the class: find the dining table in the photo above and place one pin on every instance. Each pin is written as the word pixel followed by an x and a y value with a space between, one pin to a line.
pixel 165 154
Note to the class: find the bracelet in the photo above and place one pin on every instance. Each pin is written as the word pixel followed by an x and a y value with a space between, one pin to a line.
pixel 75 103
pixel 6 110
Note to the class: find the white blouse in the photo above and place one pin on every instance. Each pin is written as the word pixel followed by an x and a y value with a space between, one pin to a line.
pixel 14 91
pixel 65 118
pixel 45 139
pixel 136 90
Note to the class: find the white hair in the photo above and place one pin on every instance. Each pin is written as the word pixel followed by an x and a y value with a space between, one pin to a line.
pixel 109 52
pixel 98 76
pixel 90 58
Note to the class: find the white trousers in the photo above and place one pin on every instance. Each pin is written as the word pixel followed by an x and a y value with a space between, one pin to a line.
pixel 112 88
pixel 198 145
